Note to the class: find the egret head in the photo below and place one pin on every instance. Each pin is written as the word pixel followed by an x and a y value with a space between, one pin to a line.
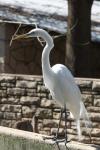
pixel 30 34
pixel 36 33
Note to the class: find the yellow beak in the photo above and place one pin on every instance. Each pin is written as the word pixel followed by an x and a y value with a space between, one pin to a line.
pixel 15 37
pixel 23 36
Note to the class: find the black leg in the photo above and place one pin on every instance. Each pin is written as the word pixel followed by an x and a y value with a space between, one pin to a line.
pixel 66 117
pixel 56 138
pixel 57 133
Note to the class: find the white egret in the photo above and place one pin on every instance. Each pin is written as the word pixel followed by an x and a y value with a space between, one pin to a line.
pixel 59 80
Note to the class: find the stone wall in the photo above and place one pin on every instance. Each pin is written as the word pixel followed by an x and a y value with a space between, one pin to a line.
pixel 24 97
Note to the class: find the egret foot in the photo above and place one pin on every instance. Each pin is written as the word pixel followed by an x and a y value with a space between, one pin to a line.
pixel 58 141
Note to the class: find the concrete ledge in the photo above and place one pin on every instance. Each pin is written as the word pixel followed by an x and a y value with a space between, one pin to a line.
pixel 14 139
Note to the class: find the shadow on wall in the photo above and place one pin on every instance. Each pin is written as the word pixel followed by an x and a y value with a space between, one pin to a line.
pixel 24 125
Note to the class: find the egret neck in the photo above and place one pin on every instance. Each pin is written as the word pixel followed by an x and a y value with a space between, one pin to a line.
pixel 46 68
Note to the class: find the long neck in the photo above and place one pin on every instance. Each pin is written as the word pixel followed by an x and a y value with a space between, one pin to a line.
pixel 46 68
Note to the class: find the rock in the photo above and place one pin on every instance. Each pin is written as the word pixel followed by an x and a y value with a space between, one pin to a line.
pixel 44 132
pixel 72 137
pixel 48 103
pixel 93 109
pixel 94 133
pixel 42 95
pixel 95 117
pixel 1 115
pixel 72 131
pixel 41 88
pixel 9 100
pixel 12 123
pixel 96 140
pixel 25 77
pixel 47 130
pixel 18 116
pixel 39 79
pixel 26 84
pixel 16 91
pixel 44 113
pixel 10 108
pixel 3 93
pixel 87 98
pixel 10 116
pixel 27 112
pixel 96 86
pixel 9 84
pixel 85 139
pixel 56 115
pixel 54 131
pixel 31 92
pixel 6 123
pixel 27 100
pixel 84 83
pixel 13 100
pixel 96 125
pixel 57 110
pixel 50 123
pixel 97 100
pixel 3 100
pixel 68 124
pixel 7 78
pixel 40 127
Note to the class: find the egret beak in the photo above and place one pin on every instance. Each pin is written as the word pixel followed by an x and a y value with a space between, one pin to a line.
pixel 15 37
pixel 23 36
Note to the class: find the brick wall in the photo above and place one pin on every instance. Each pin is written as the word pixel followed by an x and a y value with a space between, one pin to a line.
pixel 24 97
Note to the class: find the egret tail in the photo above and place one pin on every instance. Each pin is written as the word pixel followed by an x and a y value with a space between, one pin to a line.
pixel 85 117
pixel 79 129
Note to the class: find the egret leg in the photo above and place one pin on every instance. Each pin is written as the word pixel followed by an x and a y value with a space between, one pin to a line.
pixel 66 117
pixel 90 134
pixel 57 133
pixel 56 138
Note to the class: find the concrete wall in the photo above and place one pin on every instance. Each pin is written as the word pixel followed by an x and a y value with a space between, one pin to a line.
pixel 14 139
pixel 25 97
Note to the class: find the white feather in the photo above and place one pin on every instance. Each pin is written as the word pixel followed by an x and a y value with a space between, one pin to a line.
pixel 60 81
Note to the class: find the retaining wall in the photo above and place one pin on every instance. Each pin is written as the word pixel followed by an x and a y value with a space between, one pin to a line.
pixel 14 139
pixel 24 97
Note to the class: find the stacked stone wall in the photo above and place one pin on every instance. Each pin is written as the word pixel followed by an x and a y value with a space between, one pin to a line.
pixel 24 97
